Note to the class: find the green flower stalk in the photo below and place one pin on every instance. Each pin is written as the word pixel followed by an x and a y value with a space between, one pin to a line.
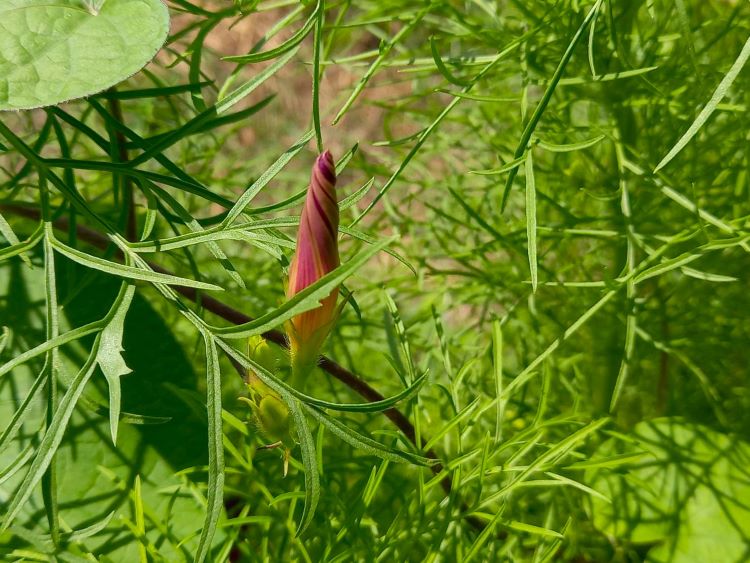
pixel 316 255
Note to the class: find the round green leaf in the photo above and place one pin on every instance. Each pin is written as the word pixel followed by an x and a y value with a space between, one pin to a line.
pixel 56 50
pixel 687 497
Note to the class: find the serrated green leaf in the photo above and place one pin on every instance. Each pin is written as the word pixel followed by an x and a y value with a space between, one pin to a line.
pixel 248 87
pixel 110 360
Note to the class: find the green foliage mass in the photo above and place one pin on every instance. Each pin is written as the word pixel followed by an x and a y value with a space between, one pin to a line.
pixel 545 245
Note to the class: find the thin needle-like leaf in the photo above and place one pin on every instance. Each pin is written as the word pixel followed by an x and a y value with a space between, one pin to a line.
pixel 531 220
pixel 215 495
pixel 128 272
pixel 316 77
pixel 384 52
pixel 544 102
pixel 710 107
pixel 264 178
pixel 497 365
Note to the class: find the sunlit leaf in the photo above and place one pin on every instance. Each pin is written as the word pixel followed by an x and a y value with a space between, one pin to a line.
pixel 57 50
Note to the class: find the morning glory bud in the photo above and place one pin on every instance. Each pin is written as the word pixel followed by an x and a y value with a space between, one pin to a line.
pixel 316 255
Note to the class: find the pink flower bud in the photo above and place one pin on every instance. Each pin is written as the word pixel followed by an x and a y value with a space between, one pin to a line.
pixel 316 255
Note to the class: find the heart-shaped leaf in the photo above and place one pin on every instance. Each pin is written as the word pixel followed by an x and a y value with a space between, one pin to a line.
pixel 687 496
pixel 56 50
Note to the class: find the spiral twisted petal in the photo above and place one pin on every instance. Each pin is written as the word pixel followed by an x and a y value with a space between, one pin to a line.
pixel 316 255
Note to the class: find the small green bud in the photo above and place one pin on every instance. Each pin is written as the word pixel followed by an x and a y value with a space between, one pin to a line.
pixel 273 419
pixel 259 350
pixel 270 412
